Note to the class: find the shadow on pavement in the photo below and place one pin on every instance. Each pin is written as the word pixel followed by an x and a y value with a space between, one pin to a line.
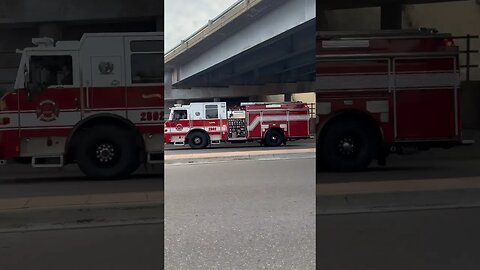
pixel 457 162
pixel 243 146
pixel 80 178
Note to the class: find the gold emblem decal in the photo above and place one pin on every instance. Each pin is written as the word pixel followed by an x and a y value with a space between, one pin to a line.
pixel 105 68
pixel 47 111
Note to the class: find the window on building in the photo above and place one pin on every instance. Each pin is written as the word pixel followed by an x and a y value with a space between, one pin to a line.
pixel 51 70
pixel 211 111
pixel 147 61
pixel 179 115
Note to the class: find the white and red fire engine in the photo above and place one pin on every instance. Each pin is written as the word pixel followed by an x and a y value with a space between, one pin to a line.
pixel 385 91
pixel 97 102
pixel 202 124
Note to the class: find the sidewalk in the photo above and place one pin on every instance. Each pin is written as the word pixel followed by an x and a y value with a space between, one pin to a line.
pixel 61 212
pixel 239 155
pixel 387 196
pixel 81 200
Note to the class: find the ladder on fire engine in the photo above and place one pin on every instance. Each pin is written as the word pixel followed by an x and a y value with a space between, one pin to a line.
pixel 270 103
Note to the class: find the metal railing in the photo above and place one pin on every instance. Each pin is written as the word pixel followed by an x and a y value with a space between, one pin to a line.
pixel 468 53
pixel 217 18
pixel 312 110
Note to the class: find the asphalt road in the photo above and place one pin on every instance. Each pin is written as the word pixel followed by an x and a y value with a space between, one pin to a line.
pixel 17 181
pixel 240 215
pixel 429 239
pixel 116 248
pixel 435 239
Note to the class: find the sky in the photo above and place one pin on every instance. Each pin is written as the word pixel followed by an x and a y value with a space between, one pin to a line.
pixel 184 17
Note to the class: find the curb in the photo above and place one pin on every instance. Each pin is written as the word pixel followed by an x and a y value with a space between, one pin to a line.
pixel 396 201
pixel 240 157
pixel 83 216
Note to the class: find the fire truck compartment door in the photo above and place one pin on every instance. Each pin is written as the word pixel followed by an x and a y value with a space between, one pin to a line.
pixel 298 124
pixel 254 129
pixel 426 98
pixel 107 90
pixel 213 118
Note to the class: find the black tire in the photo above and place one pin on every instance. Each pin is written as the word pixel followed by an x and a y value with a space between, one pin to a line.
pixel 107 152
pixel 197 140
pixel 347 146
pixel 274 138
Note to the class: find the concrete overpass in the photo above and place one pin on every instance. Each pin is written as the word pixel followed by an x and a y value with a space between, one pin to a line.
pixel 256 47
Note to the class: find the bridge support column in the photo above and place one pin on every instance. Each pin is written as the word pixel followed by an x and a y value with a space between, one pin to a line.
pixel 391 16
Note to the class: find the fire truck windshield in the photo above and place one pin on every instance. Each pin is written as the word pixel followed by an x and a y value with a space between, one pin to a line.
pixel 178 115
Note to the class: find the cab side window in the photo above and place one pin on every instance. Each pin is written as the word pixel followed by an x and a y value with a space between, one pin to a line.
pixel 147 61
pixel 51 70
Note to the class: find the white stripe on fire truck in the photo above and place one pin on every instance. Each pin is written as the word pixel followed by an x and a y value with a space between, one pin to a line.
pixel 63 119
pixel 398 81
pixel 269 118
pixel 186 129
pixel 12 117
pixel 72 117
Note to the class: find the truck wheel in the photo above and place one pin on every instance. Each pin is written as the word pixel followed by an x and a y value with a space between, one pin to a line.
pixel 347 146
pixel 274 138
pixel 107 152
pixel 197 140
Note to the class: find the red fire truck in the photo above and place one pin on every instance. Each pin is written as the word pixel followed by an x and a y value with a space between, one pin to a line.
pixel 384 92
pixel 201 124
pixel 97 102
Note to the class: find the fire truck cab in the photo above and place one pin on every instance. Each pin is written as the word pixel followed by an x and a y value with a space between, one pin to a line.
pixel 97 102
pixel 382 92
pixel 201 124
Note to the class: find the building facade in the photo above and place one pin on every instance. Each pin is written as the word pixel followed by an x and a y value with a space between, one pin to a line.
pixel 22 20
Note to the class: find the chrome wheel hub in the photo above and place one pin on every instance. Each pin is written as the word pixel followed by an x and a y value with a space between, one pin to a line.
pixel 105 152
pixel 347 147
